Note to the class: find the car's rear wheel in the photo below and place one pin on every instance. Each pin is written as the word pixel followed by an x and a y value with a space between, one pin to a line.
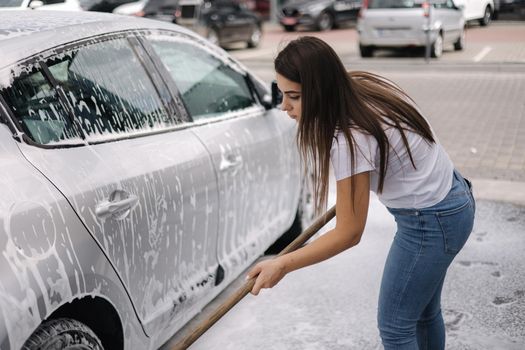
pixel 487 16
pixel 460 43
pixel 289 28
pixel 366 51
pixel 63 334
pixel 325 21
pixel 436 50
pixel 255 38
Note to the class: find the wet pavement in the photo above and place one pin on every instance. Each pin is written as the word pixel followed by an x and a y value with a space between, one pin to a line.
pixel 477 110
pixel 332 305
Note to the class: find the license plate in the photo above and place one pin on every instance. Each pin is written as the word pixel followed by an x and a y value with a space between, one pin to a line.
pixel 289 21
pixel 384 32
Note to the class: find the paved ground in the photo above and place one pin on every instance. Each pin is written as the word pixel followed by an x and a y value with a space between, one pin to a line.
pixel 475 102
pixel 332 305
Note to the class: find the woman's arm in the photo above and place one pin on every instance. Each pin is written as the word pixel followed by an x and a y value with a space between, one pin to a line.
pixel 351 219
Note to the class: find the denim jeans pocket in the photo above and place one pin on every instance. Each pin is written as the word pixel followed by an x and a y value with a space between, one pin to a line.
pixel 456 225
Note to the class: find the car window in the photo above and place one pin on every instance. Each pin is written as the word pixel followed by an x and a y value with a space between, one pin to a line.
pixel 391 4
pixel 208 86
pixel 11 3
pixel 37 109
pixel 52 2
pixel 443 4
pixel 109 90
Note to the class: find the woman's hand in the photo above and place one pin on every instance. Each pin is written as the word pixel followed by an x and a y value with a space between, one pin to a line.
pixel 268 274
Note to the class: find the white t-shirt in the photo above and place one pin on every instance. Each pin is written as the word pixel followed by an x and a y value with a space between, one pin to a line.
pixel 404 186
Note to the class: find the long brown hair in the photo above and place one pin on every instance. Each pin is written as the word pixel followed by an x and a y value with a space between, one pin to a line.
pixel 333 99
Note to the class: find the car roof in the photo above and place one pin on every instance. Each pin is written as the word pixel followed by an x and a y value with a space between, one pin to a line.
pixel 27 33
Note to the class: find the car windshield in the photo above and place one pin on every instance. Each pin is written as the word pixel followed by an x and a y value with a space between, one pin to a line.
pixel 394 4
pixel 11 3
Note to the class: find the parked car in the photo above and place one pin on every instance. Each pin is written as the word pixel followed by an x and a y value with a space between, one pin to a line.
pixel 477 10
pixel 222 22
pixel 388 24
pixel 143 169
pixel 54 5
pixel 321 15
pixel 135 8
pixel 102 5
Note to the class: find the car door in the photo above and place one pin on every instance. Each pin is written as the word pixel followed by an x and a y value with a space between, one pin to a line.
pixel 144 187
pixel 252 149
pixel 451 19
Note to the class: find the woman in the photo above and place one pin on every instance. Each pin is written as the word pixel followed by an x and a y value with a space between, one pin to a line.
pixel 376 140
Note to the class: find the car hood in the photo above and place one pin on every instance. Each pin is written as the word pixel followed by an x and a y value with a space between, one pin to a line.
pixel 303 4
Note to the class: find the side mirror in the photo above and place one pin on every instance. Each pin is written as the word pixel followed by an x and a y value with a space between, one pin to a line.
pixel 277 96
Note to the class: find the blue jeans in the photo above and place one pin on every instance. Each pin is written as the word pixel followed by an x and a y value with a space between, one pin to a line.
pixel 426 242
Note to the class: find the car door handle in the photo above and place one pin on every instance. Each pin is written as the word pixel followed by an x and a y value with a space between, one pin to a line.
pixel 230 161
pixel 118 209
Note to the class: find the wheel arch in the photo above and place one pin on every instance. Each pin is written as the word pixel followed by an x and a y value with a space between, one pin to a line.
pixel 97 313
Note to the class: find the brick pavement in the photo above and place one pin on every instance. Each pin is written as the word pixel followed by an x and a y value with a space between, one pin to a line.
pixel 478 117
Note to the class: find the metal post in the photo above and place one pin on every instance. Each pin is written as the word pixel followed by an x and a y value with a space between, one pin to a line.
pixel 427 10
pixel 273 11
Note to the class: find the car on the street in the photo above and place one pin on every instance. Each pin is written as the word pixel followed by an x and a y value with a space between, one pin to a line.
pixel 102 5
pixel 319 14
pixel 394 24
pixel 481 11
pixel 222 22
pixel 135 8
pixel 54 5
pixel 142 170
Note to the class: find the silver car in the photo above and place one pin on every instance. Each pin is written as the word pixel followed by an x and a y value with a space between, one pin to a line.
pixel 142 170
pixel 387 24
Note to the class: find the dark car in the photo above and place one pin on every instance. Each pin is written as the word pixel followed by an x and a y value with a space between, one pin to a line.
pixel 221 22
pixel 321 15
pixel 102 5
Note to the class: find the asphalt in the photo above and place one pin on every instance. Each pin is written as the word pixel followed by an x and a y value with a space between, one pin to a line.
pixel 332 305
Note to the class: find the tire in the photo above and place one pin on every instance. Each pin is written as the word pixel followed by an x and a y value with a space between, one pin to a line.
pixel 487 16
pixel 255 37
pixel 213 36
pixel 366 51
pixel 303 218
pixel 63 334
pixel 436 50
pixel 460 43
pixel 325 22
pixel 289 28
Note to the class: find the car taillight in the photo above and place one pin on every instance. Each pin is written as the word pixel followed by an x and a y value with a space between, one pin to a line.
pixel 426 9
pixel 363 8
pixel 177 13
pixel 139 14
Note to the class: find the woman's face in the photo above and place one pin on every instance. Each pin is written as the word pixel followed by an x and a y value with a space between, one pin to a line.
pixel 291 96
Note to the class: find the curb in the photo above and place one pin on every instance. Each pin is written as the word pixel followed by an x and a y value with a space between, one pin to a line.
pixel 499 190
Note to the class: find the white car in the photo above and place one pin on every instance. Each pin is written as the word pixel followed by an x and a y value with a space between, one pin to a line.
pixel 477 10
pixel 389 24
pixel 131 8
pixel 142 170
pixel 55 5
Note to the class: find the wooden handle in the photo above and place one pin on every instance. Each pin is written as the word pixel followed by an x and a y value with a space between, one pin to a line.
pixel 247 287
